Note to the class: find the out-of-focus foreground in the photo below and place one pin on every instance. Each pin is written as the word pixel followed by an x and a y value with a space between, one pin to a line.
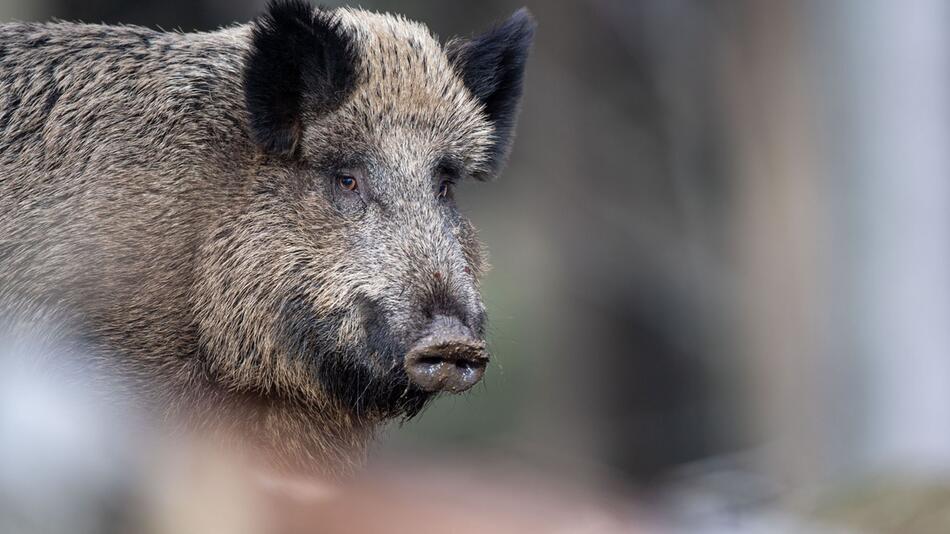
pixel 720 299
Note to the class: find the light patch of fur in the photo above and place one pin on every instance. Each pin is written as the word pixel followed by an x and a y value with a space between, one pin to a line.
pixel 405 74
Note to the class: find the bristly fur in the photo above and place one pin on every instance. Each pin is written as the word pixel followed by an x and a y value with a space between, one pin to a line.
pixel 300 60
pixel 492 66
pixel 170 203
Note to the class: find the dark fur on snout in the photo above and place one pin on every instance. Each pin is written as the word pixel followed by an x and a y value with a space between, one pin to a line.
pixel 368 377
pixel 171 204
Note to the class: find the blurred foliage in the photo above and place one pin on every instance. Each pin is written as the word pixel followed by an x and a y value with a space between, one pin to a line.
pixel 889 505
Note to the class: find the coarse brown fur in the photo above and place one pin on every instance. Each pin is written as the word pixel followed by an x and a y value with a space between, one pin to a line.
pixel 155 214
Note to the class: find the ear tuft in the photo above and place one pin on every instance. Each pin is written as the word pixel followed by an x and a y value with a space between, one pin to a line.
pixel 492 66
pixel 300 60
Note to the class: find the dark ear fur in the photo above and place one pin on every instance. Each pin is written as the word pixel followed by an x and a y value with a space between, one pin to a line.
pixel 492 66
pixel 300 60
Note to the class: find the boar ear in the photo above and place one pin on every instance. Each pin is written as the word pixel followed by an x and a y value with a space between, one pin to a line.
pixel 300 60
pixel 492 67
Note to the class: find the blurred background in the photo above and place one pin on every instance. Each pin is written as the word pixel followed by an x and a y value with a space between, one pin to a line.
pixel 721 255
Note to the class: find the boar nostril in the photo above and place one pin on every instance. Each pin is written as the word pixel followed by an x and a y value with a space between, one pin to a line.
pixel 448 358
pixel 451 366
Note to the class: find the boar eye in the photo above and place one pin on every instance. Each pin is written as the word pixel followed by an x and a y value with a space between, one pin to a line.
pixel 347 182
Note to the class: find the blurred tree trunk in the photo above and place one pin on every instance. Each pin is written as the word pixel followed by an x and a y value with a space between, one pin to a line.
pixel 887 81
pixel 781 224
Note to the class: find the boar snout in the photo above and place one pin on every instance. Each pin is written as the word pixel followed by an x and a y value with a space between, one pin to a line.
pixel 448 358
